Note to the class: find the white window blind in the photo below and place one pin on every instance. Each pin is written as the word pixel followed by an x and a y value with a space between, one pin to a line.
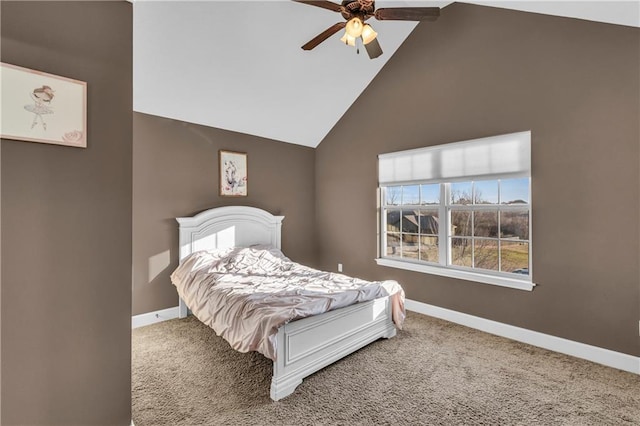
pixel 505 156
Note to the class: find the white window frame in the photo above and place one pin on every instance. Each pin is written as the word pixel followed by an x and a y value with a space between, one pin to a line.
pixel 443 267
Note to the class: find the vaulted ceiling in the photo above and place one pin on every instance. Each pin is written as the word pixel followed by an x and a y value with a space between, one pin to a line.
pixel 238 65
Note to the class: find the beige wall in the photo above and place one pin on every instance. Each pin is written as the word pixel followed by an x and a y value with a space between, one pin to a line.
pixel 66 226
pixel 176 174
pixel 478 72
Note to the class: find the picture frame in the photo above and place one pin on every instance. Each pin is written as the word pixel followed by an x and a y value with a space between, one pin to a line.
pixel 233 173
pixel 40 107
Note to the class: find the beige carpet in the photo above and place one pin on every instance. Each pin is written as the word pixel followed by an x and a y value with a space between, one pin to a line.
pixel 432 373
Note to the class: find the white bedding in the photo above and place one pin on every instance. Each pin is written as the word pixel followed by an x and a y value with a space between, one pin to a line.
pixel 246 294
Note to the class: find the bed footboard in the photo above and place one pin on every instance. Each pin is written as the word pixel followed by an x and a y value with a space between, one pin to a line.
pixel 307 345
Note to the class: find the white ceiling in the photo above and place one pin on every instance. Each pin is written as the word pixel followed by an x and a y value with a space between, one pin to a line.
pixel 238 65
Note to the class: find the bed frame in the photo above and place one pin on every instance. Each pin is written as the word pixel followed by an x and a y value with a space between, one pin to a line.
pixel 303 346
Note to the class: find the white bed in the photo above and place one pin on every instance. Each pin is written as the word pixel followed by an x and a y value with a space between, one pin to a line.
pixel 303 346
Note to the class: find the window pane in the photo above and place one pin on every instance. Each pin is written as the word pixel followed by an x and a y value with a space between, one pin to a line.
pixel 393 220
pixel 485 254
pixel 489 224
pixel 485 224
pixel 514 191
pixel 410 243
pixel 410 220
pixel 393 244
pixel 461 223
pixel 430 194
pixel 429 222
pixel 461 252
pixel 485 192
pixel 411 194
pixel 429 248
pixel 514 224
pixel 461 193
pixel 515 257
pixel 393 195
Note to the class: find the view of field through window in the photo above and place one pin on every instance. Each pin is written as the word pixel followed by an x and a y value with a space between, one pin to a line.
pixel 484 224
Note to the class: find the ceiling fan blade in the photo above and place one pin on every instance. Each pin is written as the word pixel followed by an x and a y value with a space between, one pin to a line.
pixel 324 35
pixel 373 49
pixel 323 4
pixel 408 13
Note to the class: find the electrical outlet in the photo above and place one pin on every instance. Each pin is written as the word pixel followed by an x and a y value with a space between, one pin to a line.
pixel 339 267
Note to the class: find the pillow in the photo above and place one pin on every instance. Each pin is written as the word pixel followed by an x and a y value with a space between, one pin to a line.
pixel 261 246
pixel 271 249
pixel 219 251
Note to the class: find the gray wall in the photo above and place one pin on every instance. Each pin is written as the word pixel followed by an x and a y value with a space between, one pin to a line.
pixel 175 173
pixel 66 226
pixel 482 71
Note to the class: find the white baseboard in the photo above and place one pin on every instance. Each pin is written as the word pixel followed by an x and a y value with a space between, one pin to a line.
pixel 569 347
pixel 154 317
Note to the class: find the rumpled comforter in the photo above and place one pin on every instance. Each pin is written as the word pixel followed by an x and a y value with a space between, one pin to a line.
pixel 246 294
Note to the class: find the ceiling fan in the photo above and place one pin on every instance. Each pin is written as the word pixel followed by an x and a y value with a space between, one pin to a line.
pixel 356 13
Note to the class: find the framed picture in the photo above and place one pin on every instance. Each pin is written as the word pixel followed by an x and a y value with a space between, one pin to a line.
pixel 41 107
pixel 233 174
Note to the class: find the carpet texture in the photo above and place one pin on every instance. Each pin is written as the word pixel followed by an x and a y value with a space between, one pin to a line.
pixel 432 373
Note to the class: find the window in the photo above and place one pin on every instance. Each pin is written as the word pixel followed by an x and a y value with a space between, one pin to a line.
pixel 469 220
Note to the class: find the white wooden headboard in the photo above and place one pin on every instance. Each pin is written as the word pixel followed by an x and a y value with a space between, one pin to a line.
pixel 224 227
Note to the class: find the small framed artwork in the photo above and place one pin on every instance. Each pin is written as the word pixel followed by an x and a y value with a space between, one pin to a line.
pixel 41 107
pixel 233 174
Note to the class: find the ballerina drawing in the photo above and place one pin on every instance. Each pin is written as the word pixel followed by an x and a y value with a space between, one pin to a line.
pixel 42 97
pixel 41 107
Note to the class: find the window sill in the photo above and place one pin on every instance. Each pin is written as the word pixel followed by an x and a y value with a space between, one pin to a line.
pixel 456 273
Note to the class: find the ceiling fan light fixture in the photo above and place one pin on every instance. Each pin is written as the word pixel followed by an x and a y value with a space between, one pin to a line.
pixel 356 13
pixel 354 27
pixel 368 34
pixel 347 39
